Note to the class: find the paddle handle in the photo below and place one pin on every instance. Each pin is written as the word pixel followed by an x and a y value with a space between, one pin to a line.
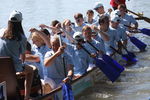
pixel 127 26
pixel 85 49
pixel 63 59
pixel 115 50
pixel 136 30
pixel 93 46
pixel 68 34
pixel 124 47
pixel 60 41
pixel 134 13
pixel 144 18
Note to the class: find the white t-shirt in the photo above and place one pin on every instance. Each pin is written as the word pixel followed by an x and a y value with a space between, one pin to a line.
pixel 2 32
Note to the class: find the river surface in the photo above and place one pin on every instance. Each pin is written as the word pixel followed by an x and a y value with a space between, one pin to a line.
pixel 133 84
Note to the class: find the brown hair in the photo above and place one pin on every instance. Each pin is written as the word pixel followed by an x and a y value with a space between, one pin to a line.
pixel 13 31
pixel 78 15
pixel 103 19
pixel 90 11
pixel 37 37
pixel 54 23
pixel 122 6
pixel 45 31
pixel 86 28
pixel 28 46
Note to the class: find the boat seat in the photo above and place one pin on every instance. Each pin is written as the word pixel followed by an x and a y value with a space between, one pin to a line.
pixel 8 74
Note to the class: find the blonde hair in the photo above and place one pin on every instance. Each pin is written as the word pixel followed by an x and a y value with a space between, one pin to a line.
pixel 64 23
pixel 37 37
pixel 55 38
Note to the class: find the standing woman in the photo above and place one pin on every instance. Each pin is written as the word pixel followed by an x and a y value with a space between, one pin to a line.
pixel 13 44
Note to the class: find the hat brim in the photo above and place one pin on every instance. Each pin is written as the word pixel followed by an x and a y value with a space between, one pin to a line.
pixel 94 33
pixel 96 8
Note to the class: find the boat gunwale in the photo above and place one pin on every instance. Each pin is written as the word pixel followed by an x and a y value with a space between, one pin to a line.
pixel 49 95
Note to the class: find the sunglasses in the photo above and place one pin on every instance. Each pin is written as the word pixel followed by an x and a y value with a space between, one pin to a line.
pixel 96 9
pixel 118 20
pixel 103 22
pixel 69 24
pixel 77 19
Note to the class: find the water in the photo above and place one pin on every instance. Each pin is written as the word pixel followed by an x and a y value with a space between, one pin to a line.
pixel 134 83
pixel 36 12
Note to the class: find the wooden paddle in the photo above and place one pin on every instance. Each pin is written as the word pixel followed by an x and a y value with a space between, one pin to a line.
pixel 143 17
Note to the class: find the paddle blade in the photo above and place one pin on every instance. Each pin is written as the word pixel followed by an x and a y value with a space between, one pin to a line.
pixel 131 54
pixel 108 70
pixel 139 44
pixel 145 31
pixel 1 93
pixel 113 63
pixel 67 92
pixel 129 58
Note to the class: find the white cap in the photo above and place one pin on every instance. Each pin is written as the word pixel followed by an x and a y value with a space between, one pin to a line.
pixel 78 35
pixel 115 18
pixel 115 13
pixel 97 5
pixel 15 16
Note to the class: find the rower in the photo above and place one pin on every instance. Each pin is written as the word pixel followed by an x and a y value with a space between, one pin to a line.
pixel 55 66
pixel 121 32
pixel 54 27
pixel 88 19
pixel 40 46
pixel 81 59
pixel 112 34
pixel 87 33
pixel 79 22
pixel 127 19
pixel 99 8
pixel 67 25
